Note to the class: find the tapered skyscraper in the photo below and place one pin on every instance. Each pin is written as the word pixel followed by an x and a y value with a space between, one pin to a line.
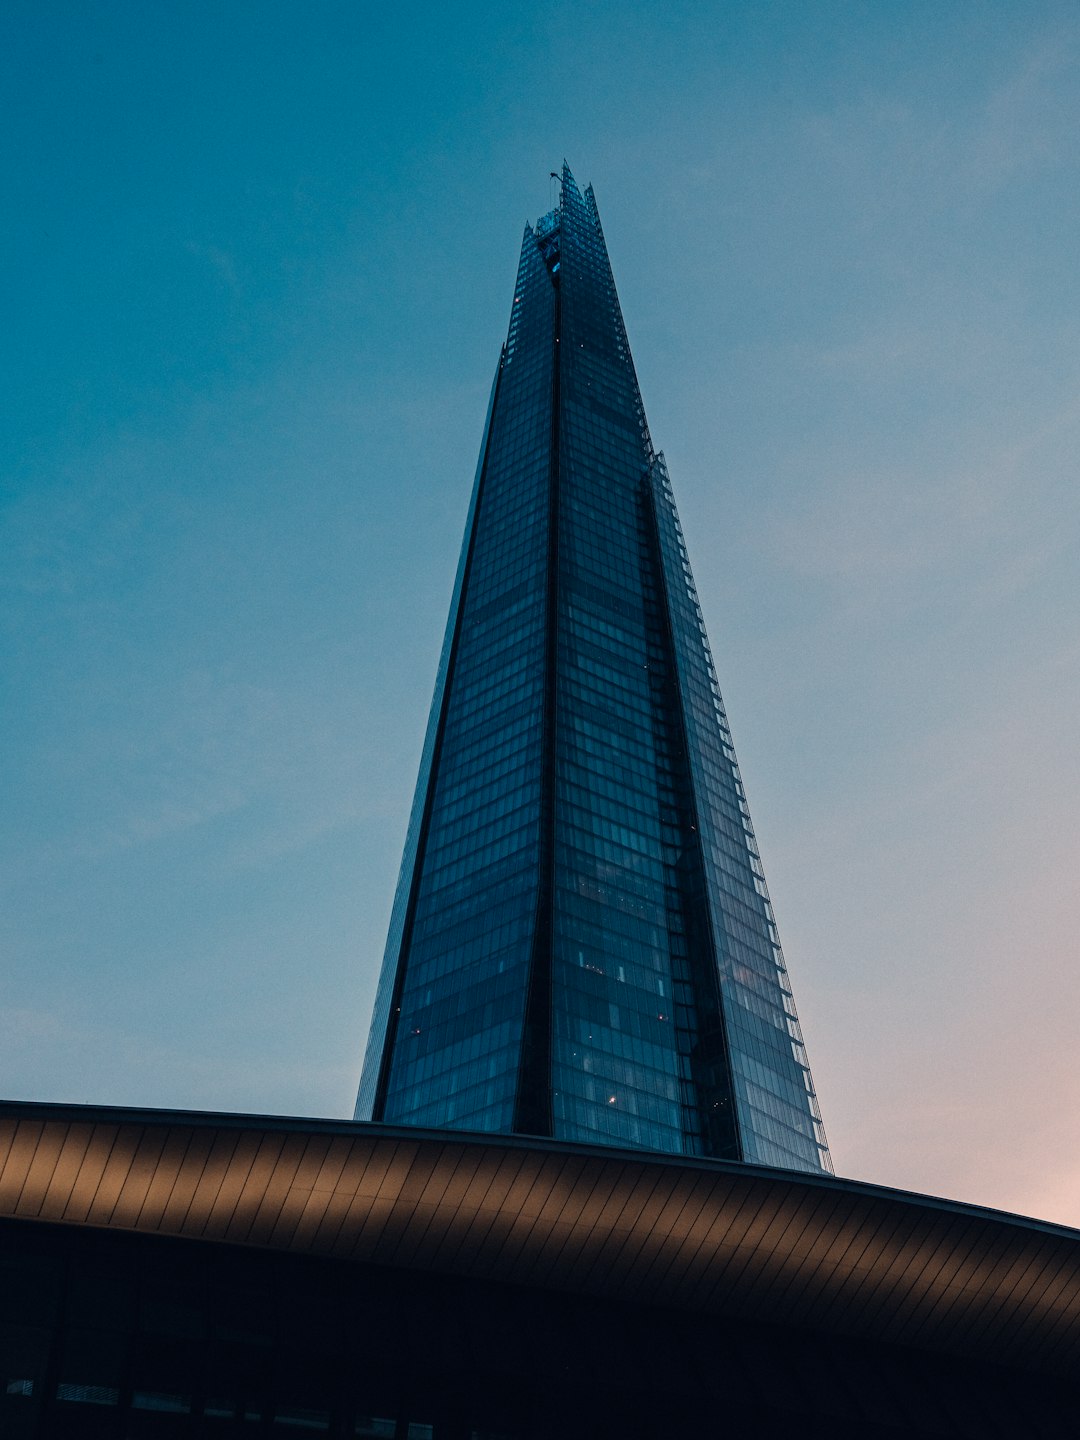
pixel 582 944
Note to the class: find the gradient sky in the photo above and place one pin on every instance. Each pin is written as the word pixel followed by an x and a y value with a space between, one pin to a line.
pixel 258 263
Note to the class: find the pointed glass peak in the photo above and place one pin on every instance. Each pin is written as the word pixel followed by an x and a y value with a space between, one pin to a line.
pixel 582 944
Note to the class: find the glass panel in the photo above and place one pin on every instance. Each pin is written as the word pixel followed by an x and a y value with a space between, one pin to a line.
pixel 88 1394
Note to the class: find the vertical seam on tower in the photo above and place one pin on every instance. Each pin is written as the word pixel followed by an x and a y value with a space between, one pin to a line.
pixel 681 708
pixel 533 1102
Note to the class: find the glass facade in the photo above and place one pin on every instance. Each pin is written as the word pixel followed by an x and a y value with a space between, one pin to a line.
pixel 582 944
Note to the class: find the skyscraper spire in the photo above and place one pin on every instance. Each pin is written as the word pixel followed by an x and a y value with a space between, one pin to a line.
pixel 582 944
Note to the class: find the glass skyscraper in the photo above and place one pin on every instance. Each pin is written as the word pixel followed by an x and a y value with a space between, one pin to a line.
pixel 582 944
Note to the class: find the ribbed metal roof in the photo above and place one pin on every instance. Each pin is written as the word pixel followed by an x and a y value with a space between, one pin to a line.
pixel 730 1239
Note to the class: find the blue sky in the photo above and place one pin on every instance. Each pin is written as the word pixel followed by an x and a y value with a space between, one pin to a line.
pixel 259 260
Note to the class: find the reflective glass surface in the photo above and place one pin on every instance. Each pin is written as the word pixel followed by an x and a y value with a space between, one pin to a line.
pixel 779 1120
pixel 620 1073
pixel 583 944
pixel 457 1019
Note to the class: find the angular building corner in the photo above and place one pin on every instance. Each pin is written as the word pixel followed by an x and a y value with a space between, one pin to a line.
pixel 582 945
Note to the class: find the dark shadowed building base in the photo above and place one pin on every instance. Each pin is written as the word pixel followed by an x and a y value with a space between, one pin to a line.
pixel 127 1335
pixel 168 1273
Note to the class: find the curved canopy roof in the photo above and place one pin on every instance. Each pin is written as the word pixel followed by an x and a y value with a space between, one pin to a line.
pixel 730 1239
